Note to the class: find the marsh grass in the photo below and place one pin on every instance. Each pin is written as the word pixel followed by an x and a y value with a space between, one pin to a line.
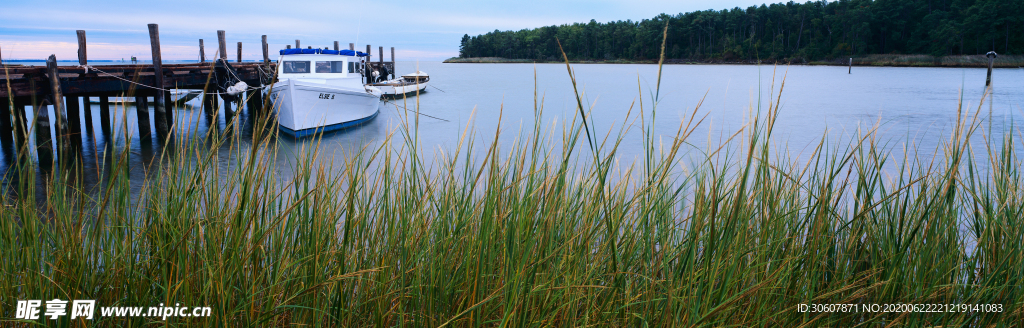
pixel 546 231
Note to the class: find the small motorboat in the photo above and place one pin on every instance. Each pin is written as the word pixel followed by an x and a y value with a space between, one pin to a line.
pixel 409 83
pixel 320 90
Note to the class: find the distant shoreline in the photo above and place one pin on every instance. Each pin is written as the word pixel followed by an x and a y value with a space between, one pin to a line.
pixel 974 61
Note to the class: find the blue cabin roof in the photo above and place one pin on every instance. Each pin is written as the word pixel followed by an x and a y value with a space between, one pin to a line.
pixel 322 52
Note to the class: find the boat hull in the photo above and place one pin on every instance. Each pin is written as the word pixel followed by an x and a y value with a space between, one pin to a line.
pixel 305 108
pixel 391 90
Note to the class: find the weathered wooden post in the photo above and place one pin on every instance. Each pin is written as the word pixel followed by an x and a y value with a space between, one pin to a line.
pixel 43 134
pixel 366 70
pixel 393 63
pixel 202 52
pixel 991 61
pixel 297 44
pixel 266 51
pixel 209 104
pixel 336 46
pixel 239 52
pixel 288 46
pixel 164 117
pixel 20 122
pixel 82 59
pixel 74 126
pixel 6 106
pixel 352 46
pixel 850 70
pixel 142 112
pixel 105 114
pixel 223 45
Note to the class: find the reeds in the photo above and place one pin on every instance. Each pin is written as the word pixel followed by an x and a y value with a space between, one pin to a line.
pixel 545 231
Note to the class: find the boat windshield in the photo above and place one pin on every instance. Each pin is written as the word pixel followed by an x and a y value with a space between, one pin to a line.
pixel 294 67
pixel 330 66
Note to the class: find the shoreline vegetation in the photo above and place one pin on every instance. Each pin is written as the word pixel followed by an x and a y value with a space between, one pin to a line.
pixel 975 61
pixel 789 32
pixel 550 230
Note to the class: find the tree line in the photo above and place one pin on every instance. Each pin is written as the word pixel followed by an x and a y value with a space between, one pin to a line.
pixel 815 30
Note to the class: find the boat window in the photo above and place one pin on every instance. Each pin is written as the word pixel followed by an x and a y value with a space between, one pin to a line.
pixel 296 67
pixel 351 67
pixel 330 66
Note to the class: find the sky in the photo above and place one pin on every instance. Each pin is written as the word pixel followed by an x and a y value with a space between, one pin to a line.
pixel 419 30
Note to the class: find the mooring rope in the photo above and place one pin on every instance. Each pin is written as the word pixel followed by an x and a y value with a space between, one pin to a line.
pixel 88 67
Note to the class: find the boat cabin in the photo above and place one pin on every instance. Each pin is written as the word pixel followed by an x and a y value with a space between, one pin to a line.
pixel 319 64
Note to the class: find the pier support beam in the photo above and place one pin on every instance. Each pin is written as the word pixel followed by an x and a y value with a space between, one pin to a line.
pixel 57 99
pixel 44 136
pixel 105 115
pixel 142 113
pixel 20 122
pixel 87 110
pixel 74 111
pixel 164 118
pixel 209 104
pixel 202 52
pixel 239 52
pixel 6 106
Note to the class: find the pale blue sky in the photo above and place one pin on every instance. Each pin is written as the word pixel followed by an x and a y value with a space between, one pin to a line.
pixel 419 30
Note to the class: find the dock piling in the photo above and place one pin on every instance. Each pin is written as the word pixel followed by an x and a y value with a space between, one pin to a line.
pixel 239 52
pixel 352 46
pixel 20 123
pixel 74 118
pixel 6 105
pixel 142 113
pixel 297 44
pixel 335 45
pixel 105 114
pixel 57 99
pixel 223 45
pixel 850 70
pixel 991 60
pixel 393 63
pixel 266 51
pixel 82 58
pixel 202 52
pixel 164 117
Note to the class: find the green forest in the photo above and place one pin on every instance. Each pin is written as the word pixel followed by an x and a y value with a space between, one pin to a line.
pixel 818 30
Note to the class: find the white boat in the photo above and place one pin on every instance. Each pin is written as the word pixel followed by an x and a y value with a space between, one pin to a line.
pixel 321 90
pixel 409 83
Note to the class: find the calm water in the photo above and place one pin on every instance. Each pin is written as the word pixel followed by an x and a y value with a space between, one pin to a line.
pixel 914 106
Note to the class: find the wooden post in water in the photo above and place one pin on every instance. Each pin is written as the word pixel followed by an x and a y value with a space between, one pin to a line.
pixel 336 46
pixel 43 134
pixel 74 118
pixel 850 70
pixel 239 52
pixel 20 122
pixel 380 61
pixel 223 45
pixel 164 117
pixel 142 112
pixel 209 104
pixel 393 63
pixel 6 104
pixel 991 61
pixel 297 44
pixel 105 114
pixel 266 51
pixel 352 46
pixel 202 52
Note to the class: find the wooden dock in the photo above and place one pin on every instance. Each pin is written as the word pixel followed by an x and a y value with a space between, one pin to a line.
pixel 65 92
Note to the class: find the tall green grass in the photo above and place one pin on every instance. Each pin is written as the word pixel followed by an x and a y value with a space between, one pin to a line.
pixel 546 231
